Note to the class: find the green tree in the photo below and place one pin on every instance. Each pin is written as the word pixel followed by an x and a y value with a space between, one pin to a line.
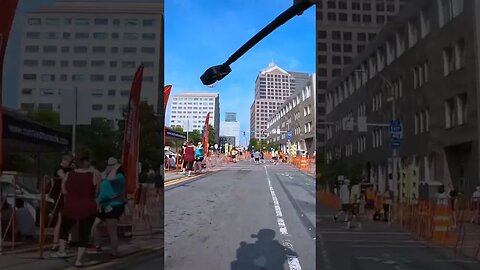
pixel 211 135
pixel 254 144
pixel 195 136
pixel 151 137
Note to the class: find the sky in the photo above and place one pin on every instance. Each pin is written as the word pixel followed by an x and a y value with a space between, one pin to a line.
pixel 203 33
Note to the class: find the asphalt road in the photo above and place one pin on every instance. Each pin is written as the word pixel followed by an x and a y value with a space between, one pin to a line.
pixel 245 217
pixel 379 246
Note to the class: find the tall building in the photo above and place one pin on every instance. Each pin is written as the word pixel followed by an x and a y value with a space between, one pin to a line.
pixel 230 117
pixel 297 115
pixel 189 111
pixel 95 47
pixel 344 29
pixel 231 129
pixel 422 70
pixel 272 87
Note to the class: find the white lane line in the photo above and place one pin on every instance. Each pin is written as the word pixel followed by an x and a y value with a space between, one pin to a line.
pixel 293 261
pixel 363 233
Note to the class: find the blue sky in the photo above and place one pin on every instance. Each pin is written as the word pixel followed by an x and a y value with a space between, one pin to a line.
pixel 203 33
pixel 12 55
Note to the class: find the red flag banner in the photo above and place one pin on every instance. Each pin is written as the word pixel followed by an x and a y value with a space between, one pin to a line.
pixel 166 94
pixel 7 14
pixel 205 136
pixel 132 134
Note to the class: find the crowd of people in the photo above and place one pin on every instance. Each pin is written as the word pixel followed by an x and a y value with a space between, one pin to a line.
pixel 85 198
pixel 189 157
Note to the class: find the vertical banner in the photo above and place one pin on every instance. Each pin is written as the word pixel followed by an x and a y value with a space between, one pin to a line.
pixel 7 14
pixel 132 134
pixel 205 136
pixel 166 94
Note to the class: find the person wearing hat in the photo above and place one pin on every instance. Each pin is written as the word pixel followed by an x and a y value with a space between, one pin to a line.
pixel 345 201
pixel 111 203
pixel 476 205
pixel 198 157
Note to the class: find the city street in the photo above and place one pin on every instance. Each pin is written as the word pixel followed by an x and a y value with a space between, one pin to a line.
pixel 379 246
pixel 212 222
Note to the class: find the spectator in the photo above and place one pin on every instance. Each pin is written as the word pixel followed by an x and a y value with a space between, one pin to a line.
pixel 79 188
pixel 345 201
pixel 189 157
pixel 199 157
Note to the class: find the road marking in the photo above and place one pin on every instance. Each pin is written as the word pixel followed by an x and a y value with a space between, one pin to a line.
pixel 389 246
pixel 363 233
pixel 293 262
pixel 378 241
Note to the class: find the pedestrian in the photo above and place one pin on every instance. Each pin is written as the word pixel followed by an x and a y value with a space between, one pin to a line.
pixel 79 188
pixel 476 205
pixel 111 199
pixel 262 157
pixel 252 156
pixel 453 194
pixel 257 157
pixel 55 192
pixel 345 202
pixel 189 157
pixel 355 206
pixel 387 205
pixel 182 157
pixel 199 158
pixel 275 157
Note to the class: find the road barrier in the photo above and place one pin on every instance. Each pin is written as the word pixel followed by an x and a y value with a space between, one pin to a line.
pixel 328 199
pixel 307 165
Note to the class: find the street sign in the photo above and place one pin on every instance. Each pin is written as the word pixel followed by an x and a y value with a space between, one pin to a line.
pixel 289 135
pixel 395 144
pixel 395 126
pixel 395 136
pixel 347 123
pixel 362 124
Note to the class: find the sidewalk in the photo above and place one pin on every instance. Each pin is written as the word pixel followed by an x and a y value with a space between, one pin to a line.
pixel 31 260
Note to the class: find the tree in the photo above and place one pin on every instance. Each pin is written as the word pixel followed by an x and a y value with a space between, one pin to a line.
pixel 211 135
pixel 151 137
pixel 254 144
pixel 195 136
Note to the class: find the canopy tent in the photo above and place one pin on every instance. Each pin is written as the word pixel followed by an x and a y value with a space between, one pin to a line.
pixel 22 134
pixel 175 135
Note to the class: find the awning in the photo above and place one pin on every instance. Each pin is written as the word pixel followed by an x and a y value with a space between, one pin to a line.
pixel 173 134
pixel 22 134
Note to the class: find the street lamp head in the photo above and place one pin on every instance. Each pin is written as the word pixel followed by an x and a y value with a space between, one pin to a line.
pixel 215 74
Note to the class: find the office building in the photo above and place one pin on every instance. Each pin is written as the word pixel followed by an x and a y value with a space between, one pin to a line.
pixel 272 87
pixel 421 69
pixel 230 117
pixel 189 111
pixel 344 29
pixel 297 115
pixel 231 129
pixel 95 47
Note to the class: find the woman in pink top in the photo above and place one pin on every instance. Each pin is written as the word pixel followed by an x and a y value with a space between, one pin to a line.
pixel 189 157
pixel 79 188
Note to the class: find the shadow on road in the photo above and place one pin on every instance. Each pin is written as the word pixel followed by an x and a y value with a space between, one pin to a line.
pixel 265 254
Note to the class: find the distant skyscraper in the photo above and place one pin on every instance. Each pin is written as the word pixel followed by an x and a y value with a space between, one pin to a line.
pixel 231 128
pixel 189 111
pixel 272 87
pixel 230 117
pixel 92 46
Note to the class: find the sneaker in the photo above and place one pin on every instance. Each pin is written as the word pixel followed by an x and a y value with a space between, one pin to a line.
pixel 59 255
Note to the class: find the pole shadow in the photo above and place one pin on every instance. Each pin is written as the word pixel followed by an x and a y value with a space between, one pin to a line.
pixel 265 254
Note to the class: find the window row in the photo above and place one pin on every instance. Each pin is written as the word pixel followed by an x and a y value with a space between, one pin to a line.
pixel 422 121
pixel 357 5
pixel 87 21
pixel 81 77
pixel 454 57
pixel 95 36
pixel 86 49
pixel 81 63
pixel 456 111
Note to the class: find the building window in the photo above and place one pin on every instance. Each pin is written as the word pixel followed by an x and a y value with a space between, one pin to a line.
pixel 80 49
pixel 47 77
pixel 347 35
pixel 448 61
pixel 332 17
pixel 427 120
pixel 66 35
pixel 355 6
pixel 82 22
pixel 336 72
pixel 322 59
pixel 461 113
pixel 425 25
pixel 81 35
pixel 114 49
pixel 48 63
pixel 322 34
pixel 128 64
pixel 33 35
pixel 64 63
pixel 371 36
pixel 460 54
pixel 360 48
pixel 78 77
pixel 27 91
pixel 356 18
pixel 49 49
pixel 149 50
pixel 129 50
pixel 100 35
pixel 97 107
pixel 336 60
pixel 79 63
pixel 342 17
pixel 347 60
pixel 331 4
pixel 97 78
pixel 130 36
pixel 361 36
pixel 400 43
pixel 111 92
pixel 336 47
pixel 148 22
pixel 322 47
pixel 98 63
pixel 336 35
pixel 101 21
pixel 34 21
pixel 99 49
pixel 367 6
pixel 412 33
pixel 367 18
pixel 30 63
pixel 45 106
pixel 450 113
pixel 347 47
pixel 449 9
pixel 148 36
pixel 380 19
